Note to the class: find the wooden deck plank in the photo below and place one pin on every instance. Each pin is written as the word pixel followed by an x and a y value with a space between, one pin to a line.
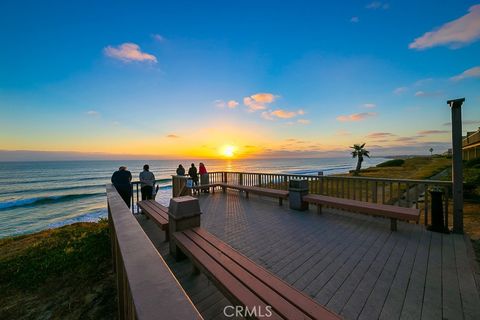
pixel 323 260
pixel 339 299
pixel 346 253
pixel 376 300
pixel 396 294
pixel 466 280
pixel 412 305
pixel 451 300
pixel 292 269
pixel 432 298
pixel 359 296
pixel 338 277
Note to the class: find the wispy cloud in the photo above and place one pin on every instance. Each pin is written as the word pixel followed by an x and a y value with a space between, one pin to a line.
pixel 356 116
pixel 369 105
pixel 421 93
pixel 470 73
pixel 219 103
pixel 428 132
pixel 232 104
pixel 400 90
pixel 173 136
pixel 93 113
pixel 379 135
pixel 128 52
pixel 465 122
pixel 259 101
pixel 375 5
pixel 456 33
pixel 355 19
pixel 303 121
pixel 158 37
pixel 282 114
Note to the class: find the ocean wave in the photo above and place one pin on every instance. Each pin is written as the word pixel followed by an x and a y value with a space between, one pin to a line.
pixel 88 186
pixel 92 216
pixel 45 200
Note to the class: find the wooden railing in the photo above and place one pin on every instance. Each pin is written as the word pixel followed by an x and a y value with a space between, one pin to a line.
pixel 399 192
pixel 146 287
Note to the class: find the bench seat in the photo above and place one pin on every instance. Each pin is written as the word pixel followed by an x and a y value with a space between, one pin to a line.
pixel 275 193
pixel 245 283
pixel 157 212
pixel 393 212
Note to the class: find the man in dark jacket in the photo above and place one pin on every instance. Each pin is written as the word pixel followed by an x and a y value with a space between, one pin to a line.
pixel 192 172
pixel 121 180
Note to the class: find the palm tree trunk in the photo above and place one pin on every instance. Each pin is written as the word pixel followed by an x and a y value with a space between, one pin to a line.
pixel 359 164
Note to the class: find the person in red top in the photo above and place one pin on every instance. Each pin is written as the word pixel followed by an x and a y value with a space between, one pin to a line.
pixel 203 176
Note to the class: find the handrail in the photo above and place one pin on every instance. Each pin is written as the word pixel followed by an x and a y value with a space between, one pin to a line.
pixel 147 289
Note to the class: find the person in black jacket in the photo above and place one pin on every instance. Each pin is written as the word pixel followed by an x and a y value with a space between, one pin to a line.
pixel 192 172
pixel 121 180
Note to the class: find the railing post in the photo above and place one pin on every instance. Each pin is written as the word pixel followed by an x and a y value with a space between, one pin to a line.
pixel 374 192
pixel 457 170
pixel 240 179
pixel 259 180
pixel 183 213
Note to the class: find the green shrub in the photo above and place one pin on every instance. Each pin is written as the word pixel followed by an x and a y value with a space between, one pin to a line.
pixel 474 163
pixel 391 163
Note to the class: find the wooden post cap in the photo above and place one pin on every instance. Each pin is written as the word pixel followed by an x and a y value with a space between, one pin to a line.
pixel 183 207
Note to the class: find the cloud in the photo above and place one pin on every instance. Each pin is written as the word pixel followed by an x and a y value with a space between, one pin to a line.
pixel 303 121
pixel 369 105
pixel 470 73
pixel 466 122
pixel 128 52
pixel 258 101
pixel 282 114
pixel 158 37
pixel 379 135
pixel 355 20
pixel 173 136
pixel 232 104
pixel 93 113
pixel 356 116
pixel 264 97
pixel 377 5
pixel 400 90
pixel 426 132
pixel 456 33
pixel 421 93
pixel 219 103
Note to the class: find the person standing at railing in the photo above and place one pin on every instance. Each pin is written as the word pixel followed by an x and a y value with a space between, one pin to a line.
pixel 180 170
pixel 203 176
pixel 121 180
pixel 192 172
pixel 147 182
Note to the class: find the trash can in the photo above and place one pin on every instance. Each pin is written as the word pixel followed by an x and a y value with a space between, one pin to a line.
pixel 296 190
pixel 437 216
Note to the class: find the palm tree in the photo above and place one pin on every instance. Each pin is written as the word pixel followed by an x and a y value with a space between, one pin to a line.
pixel 431 151
pixel 359 152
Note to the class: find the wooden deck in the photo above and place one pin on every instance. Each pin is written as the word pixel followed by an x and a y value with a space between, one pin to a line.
pixel 351 263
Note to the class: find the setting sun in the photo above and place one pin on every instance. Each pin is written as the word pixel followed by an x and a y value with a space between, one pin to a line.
pixel 228 151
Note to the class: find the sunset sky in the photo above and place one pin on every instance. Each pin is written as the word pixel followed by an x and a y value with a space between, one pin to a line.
pixel 242 79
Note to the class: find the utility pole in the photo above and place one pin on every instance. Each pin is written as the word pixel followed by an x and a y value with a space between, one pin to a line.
pixel 457 169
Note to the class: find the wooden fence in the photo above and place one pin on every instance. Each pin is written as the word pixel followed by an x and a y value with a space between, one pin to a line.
pixel 146 287
pixel 399 192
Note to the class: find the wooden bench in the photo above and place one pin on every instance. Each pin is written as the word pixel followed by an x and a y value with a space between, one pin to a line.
pixel 393 212
pixel 245 283
pixel 157 212
pixel 275 193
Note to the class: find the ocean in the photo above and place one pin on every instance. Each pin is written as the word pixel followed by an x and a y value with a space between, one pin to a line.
pixel 41 195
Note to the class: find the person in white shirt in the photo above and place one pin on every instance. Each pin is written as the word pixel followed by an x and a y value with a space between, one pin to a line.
pixel 147 181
